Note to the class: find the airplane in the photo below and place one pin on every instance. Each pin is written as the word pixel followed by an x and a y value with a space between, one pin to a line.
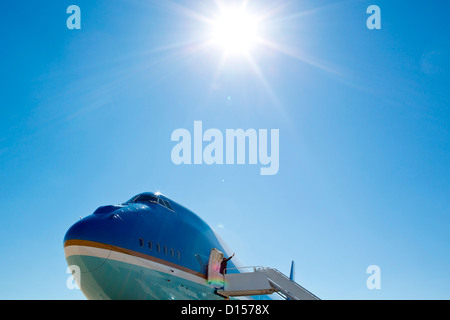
pixel 152 248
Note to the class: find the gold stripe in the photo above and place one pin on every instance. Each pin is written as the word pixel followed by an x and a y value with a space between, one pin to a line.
pixel 87 243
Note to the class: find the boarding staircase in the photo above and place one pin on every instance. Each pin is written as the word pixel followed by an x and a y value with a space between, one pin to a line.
pixel 261 281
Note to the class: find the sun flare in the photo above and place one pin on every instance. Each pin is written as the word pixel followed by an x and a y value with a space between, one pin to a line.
pixel 235 31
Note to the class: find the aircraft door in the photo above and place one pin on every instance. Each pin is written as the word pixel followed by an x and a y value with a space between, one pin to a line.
pixel 215 278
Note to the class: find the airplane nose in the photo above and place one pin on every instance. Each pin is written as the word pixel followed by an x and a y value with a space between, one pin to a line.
pixel 87 243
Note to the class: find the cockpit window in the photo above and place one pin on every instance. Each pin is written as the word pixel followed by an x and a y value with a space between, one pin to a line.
pixel 151 199
pixel 165 203
pixel 168 205
pixel 143 198
pixel 162 202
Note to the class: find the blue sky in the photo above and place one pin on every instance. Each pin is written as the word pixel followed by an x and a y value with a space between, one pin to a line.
pixel 364 119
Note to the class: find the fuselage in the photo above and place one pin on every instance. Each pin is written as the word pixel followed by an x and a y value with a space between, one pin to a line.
pixel 150 247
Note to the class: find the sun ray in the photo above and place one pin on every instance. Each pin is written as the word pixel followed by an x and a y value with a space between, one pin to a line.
pixel 170 5
pixel 268 89
pixel 299 56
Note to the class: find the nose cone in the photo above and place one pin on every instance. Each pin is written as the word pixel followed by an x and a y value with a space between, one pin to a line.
pixel 87 243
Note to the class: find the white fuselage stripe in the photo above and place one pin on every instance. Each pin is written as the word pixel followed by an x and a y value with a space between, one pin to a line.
pixel 132 260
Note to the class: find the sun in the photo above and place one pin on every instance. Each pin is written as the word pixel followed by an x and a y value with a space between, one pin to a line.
pixel 235 31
